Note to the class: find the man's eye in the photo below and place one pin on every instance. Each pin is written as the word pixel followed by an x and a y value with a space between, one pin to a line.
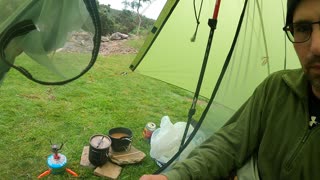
pixel 302 28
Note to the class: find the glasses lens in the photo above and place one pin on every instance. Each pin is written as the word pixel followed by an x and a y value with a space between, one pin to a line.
pixel 301 31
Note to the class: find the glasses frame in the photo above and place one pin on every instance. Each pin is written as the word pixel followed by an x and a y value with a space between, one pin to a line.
pixel 289 28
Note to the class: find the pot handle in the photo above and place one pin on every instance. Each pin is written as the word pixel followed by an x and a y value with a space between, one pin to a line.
pixel 129 140
pixel 126 139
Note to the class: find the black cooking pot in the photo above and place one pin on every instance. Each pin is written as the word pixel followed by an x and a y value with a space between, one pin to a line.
pixel 99 149
pixel 121 139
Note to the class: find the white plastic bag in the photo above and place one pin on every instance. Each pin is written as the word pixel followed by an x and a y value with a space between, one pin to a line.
pixel 166 140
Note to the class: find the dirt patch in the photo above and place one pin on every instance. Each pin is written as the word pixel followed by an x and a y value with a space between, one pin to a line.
pixel 116 47
pixel 81 42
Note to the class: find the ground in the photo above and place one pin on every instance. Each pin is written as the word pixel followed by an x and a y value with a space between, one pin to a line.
pixel 82 42
pixel 116 47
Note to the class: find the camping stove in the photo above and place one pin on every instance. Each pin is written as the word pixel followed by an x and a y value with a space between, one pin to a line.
pixel 57 163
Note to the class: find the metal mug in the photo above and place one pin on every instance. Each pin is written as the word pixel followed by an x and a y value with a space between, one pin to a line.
pixel 121 139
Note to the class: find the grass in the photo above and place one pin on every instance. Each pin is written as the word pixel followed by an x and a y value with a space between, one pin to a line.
pixel 136 43
pixel 31 115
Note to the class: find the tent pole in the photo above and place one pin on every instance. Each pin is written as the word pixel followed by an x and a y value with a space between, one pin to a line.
pixel 212 24
pixel 227 61
pixel 216 10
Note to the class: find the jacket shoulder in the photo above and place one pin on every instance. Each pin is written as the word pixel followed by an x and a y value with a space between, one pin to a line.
pixel 286 81
pixel 289 77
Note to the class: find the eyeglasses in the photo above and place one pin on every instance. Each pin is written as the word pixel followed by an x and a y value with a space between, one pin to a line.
pixel 299 32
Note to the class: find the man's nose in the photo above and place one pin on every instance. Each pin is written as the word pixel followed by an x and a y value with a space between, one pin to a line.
pixel 315 41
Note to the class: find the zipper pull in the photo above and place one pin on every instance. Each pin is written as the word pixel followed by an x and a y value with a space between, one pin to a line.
pixel 306 136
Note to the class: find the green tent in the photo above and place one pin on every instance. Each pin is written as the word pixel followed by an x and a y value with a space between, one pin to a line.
pixel 259 49
pixel 43 31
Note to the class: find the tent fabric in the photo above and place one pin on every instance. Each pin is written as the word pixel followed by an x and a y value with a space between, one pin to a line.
pixel 173 58
pixel 45 34
pixel 261 48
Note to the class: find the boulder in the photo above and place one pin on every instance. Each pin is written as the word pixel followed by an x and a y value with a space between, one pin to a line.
pixel 118 36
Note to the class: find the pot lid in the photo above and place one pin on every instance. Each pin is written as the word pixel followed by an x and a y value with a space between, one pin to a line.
pixel 100 141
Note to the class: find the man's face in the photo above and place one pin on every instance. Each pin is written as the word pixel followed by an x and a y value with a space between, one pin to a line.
pixel 309 52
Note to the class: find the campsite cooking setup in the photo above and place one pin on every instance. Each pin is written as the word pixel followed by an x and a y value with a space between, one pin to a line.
pixel 118 140
pixel 108 152
pixel 105 154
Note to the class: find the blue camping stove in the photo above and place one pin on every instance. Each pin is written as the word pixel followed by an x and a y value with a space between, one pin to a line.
pixel 57 163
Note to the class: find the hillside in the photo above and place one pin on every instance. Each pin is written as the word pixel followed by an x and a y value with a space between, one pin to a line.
pixel 123 21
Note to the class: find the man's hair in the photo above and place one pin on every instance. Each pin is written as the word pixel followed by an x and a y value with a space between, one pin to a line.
pixel 291 6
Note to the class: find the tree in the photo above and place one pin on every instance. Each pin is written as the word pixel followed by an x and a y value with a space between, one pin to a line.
pixel 126 21
pixel 136 5
pixel 107 23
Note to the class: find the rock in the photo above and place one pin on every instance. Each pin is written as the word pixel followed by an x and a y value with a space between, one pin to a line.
pixel 81 42
pixel 108 170
pixel 123 36
pixel 85 158
pixel 128 157
pixel 115 36
pixel 118 36
pixel 105 39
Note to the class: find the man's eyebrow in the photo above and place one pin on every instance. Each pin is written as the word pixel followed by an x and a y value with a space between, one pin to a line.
pixel 302 22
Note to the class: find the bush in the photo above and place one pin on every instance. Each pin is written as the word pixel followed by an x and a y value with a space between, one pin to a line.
pixel 124 21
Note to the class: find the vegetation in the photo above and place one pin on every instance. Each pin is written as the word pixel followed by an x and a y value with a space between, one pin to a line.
pixel 124 21
pixel 136 5
pixel 106 97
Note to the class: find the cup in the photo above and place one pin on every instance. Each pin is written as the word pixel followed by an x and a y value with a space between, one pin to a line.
pixel 121 139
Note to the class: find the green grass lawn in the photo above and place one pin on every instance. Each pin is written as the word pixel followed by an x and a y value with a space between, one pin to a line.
pixel 31 115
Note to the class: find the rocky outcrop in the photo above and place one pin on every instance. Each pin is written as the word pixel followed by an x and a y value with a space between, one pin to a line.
pixel 81 42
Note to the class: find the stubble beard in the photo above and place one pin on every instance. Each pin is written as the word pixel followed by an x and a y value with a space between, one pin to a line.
pixel 313 77
pixel 314 80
